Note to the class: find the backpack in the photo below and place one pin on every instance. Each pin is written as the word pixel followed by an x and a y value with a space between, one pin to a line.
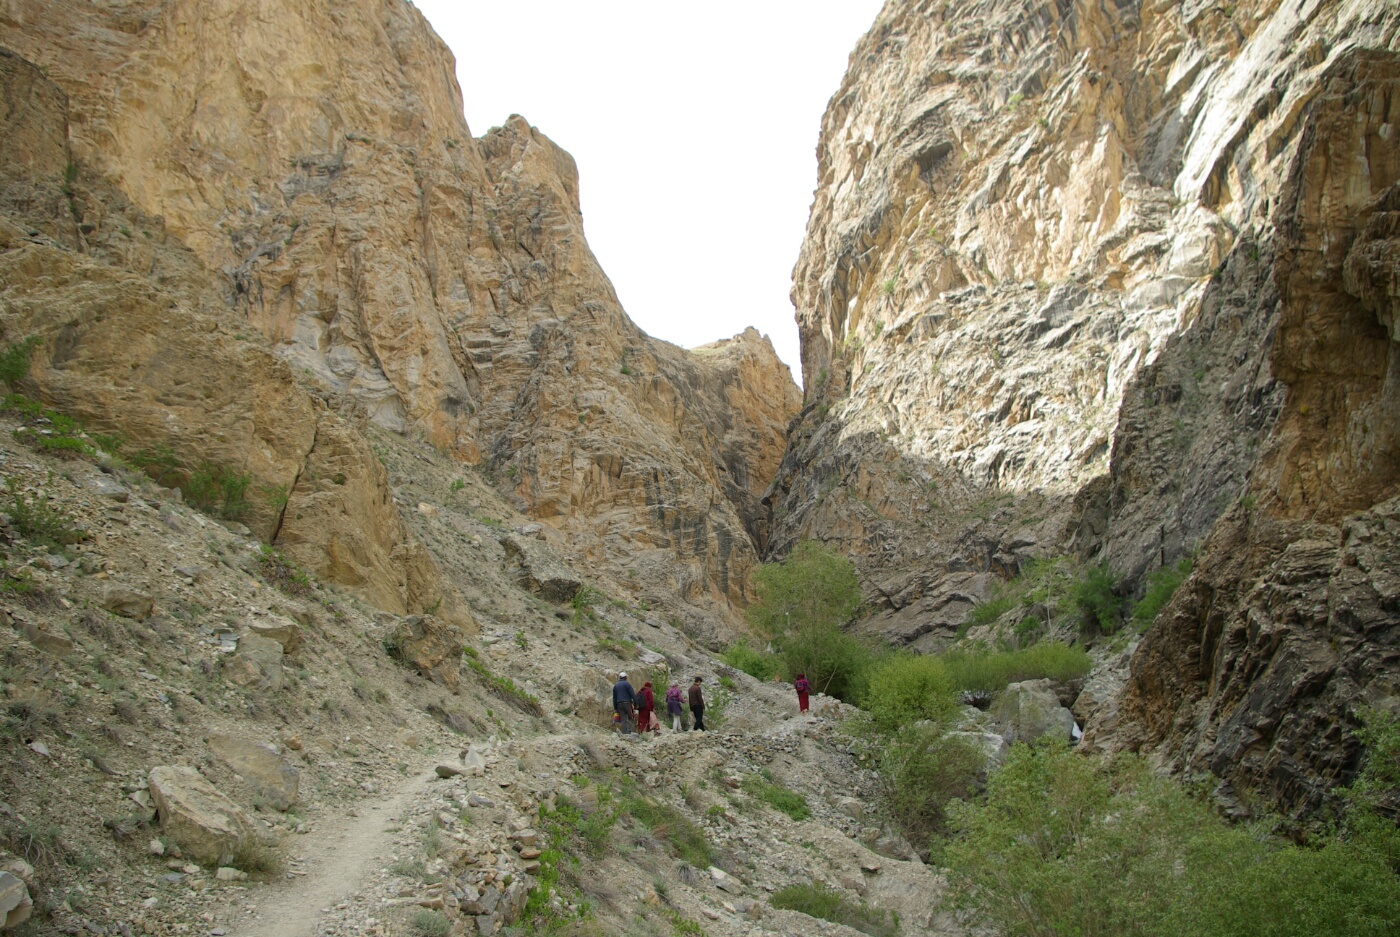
pixel 802 685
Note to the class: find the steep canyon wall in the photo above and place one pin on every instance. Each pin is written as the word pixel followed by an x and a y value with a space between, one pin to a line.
pixel 1117 280
pixel 310 166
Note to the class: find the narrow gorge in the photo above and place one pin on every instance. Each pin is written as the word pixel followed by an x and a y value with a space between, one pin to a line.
pixel 340 487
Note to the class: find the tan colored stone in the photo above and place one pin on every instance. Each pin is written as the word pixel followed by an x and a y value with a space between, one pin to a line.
pixel 206 825
pixel 269 775
pixel 432 647
pixel 257 664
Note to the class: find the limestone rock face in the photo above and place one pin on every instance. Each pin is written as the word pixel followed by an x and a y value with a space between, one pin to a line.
pixel 315 163
pixel 1084 279
pixel 137 337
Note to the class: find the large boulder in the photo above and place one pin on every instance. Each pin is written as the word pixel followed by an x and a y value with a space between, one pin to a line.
pixel 269 775
pixel 535 570
pixel 431 646
pixel 257 664
pixel 1031 709
pixel 207 826
pixel 15 903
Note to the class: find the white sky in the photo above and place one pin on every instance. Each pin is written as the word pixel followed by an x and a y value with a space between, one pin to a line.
pixel 694 126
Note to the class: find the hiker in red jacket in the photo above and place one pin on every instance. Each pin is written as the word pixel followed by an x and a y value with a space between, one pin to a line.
pixel 646 702
pixel 803 688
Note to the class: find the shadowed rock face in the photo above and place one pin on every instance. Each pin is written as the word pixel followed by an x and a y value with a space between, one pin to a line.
pixel 1087 279
pixel 313 161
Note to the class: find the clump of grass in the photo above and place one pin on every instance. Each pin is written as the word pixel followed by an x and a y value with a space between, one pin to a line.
pixel 14 360
pixel 780 798
pixel 282 573
pixel 826 903
pixel 667 823
pixel 257 857
pixel 1161 586
pixel 990 672
pixel 429 923
pixel 413 869
pixel 503 687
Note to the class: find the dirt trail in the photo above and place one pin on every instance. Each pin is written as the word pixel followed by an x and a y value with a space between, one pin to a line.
pixel 341 855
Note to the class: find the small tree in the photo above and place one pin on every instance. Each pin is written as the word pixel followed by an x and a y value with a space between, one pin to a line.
pixel 802 603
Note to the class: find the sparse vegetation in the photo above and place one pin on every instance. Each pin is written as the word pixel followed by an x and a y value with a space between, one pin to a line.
pixel 40 522
pixel 219 490
pixel 283 573
pixel 14 360
pixel 775 795
pixel 1095 848
pixel 503 687
pixel 1161 586
pixel 759 664
pixel 821 901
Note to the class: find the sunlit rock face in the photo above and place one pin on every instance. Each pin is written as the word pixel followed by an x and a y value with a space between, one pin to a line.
pixel 313 159
pixel 1081 279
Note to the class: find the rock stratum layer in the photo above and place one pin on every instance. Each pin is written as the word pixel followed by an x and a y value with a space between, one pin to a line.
pixel 1119 280
pixel 291 217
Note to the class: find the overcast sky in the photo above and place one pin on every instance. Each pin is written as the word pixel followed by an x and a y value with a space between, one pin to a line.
pixel 695 130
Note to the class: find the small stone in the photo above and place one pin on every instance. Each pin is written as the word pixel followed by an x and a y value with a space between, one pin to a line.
pixel 39 748
pixel 156 848
pixel 227 873
pixel 449 771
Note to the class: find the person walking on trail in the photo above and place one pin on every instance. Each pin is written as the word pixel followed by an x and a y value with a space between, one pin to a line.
pixel 673 706
pixel 803 688
pixel 646 703
pixel 624 702
pixel 697 705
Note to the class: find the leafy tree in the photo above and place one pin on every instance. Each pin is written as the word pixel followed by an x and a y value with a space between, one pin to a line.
pixel 802 603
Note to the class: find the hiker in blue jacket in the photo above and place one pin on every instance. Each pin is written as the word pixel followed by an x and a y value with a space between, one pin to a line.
pixel 624 701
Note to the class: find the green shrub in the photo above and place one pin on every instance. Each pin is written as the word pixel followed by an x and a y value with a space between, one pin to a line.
pixel 14 360
pixel 1096 599
pixel 906 688
pixel 775 795
pixel 160 463
pixel 835 662
pixel 819 900
pixel 991 671
pixel 218 489
pixel 1161 586
pixel 755 663
pixel 990 610
pixel 922 770
pixel 38 522
pixel 813 587
pixel 1117 850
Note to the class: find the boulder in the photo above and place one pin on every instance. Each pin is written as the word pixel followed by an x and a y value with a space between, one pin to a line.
pixel 128 603
pixel 268 774
pixel 1031 709
pixel 15 903
pixel 533 569
pixel 258 663
pixel 431 646
pixel 207 826
pixel 282 631
pixel 57 645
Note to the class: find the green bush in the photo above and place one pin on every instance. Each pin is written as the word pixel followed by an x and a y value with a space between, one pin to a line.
pixel 923 770
pixel 1096 599
pixel 814 587
pixel 775 795
pixel 218 489
pixel 989 672
pixel 906 688
pixel 40 523
pixel 504 688
pixel 1086 849
pixel 14 360
pixel 669 824
pixel 1161 586
pixel 835 662
pixel 429 923
pixel 821 901
pixel 990 610
pixel 755 663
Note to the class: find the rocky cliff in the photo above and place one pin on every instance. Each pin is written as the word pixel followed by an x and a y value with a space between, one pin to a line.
pixel 300 181
pixel 1085 279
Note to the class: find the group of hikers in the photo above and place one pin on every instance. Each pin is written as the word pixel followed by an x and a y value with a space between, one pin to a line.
pixel 635 710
